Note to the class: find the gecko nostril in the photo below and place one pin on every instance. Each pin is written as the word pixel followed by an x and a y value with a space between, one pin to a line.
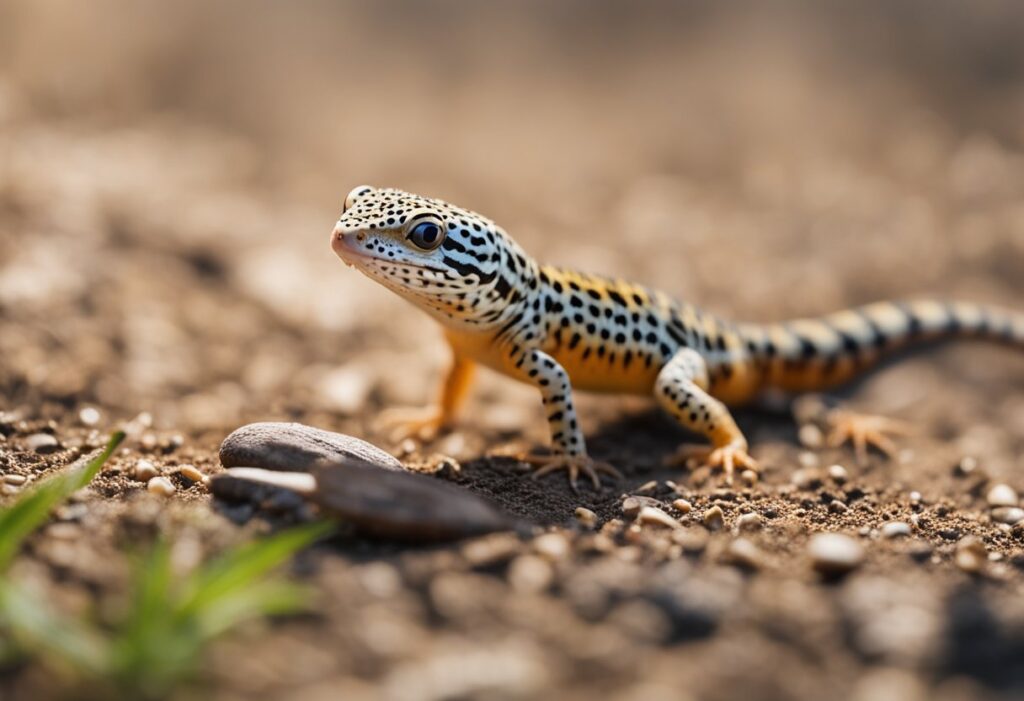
pixel 360 237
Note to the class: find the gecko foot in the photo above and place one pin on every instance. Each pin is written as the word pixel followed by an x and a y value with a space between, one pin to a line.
pixel 421 423
pixel 728 457
pixel 864 431
pixel 573 464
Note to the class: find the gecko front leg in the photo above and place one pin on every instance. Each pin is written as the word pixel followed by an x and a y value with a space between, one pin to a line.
pixel 569 451
pixel 426 422
pixel 681 389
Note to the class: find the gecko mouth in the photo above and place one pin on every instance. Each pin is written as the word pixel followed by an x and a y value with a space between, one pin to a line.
pixel 352 257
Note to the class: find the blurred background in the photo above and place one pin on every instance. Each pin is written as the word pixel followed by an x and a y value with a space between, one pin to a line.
pixel 170 174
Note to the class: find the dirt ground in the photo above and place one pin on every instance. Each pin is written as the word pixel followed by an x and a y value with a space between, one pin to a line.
pixel 168 180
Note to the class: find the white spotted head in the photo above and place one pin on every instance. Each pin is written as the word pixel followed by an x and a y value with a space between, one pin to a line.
pixel 453 263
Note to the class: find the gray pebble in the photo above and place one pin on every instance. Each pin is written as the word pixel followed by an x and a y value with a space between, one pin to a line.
pixel 895 529
pixel 42 443
pixel 1010 515
pixel 834 553
pixel 294 447
pixel 351 480
pixel 1002 495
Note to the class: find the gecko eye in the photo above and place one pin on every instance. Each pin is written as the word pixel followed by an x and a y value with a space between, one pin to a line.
pixel 427 235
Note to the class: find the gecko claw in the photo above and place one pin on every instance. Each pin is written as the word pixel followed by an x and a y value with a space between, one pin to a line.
pixel 728 457
pixel 573 464
pixel 864 431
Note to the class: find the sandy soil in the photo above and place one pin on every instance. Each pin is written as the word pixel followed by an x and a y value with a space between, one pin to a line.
pixel 165 251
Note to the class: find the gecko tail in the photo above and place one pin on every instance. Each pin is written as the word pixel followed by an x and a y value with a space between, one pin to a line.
pixel 817 353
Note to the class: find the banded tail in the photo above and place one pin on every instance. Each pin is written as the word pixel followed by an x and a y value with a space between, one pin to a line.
pixel 811 354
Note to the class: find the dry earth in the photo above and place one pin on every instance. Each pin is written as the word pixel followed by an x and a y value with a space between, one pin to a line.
pixel 173 260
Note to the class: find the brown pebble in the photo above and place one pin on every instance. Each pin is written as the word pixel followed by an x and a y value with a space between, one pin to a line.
pixel 161 486
pixel 144 470
pixel 191 473
pixel 744 553
pixel 647 487
pixel 585 516
pixel 553 546
pixel 652 516
pixel 748 522
pixel 714 518
pixel 682 506
pixel 971 555
pixel 530 574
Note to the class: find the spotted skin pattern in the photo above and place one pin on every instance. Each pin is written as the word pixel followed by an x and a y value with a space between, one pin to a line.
pixel 560 329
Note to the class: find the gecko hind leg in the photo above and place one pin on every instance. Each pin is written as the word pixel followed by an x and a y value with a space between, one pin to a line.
pixel 863 431
pixel 681 390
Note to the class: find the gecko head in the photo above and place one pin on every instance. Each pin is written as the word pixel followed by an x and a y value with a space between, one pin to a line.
pixel 444 259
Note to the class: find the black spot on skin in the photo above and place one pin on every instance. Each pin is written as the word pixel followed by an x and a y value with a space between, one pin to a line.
pixel 616 297
pixel 593 294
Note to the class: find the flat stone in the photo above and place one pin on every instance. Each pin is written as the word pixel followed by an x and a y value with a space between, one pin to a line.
pixel 895 529
pixel 294 447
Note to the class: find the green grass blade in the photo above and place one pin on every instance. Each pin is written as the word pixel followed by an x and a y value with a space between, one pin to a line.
pixel 35 629
pixel 272 597
pixel 30 511
pixel 240 568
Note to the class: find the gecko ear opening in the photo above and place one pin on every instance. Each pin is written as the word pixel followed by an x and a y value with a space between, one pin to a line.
pixel 354 194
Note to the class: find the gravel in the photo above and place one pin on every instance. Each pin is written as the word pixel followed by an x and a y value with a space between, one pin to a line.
pixel 835 553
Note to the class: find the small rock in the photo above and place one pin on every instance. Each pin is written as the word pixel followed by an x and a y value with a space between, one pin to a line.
pixel 647 487
pixel 491 549
pixel 1002 495
pixel 16 480
pixel 749 477
pixel 810 436
pixel 631 507
pixel 161 486
pixel 9 490
pixel 834 554
pixel 553 546
pixel 714 519
pixel 692 540
pixel 42 443
pixel 966 466
pixel 749 522
pixel 744 553
pixel 530 574
pixel 920 550
pixel 808 460
pixel 895 529
pixel 652 516
pixel 1010 515
pixel 191 473
pixel 585 516
pixel 144 470
pixel 89 416
pixel 915 498
pixel 971 555
pixel 807 478
pixel 837 507
pixel 296 447
pixel 682 506
pixel 838 474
